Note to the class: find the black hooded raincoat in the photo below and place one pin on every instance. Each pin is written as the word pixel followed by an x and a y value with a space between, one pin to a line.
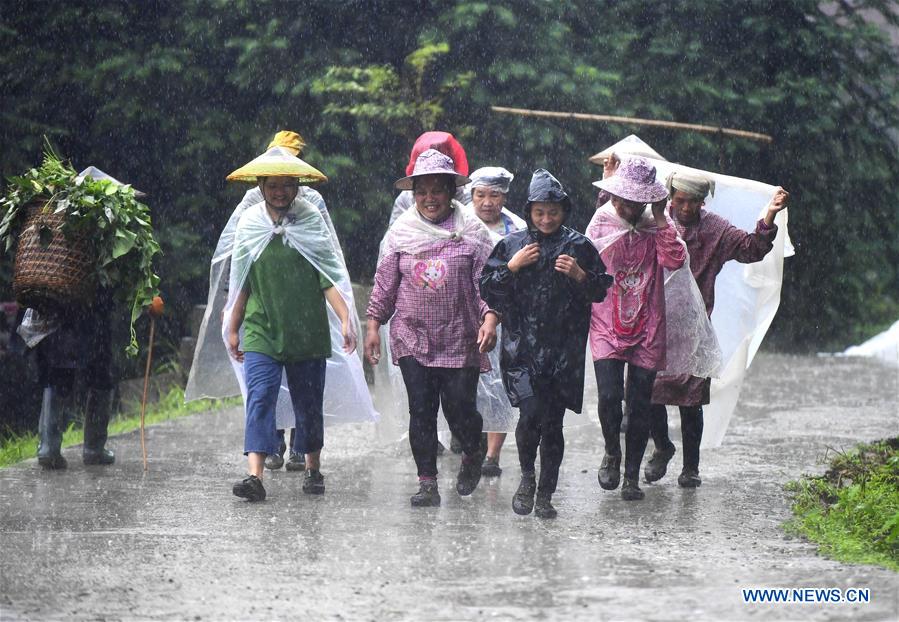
pixel 545 314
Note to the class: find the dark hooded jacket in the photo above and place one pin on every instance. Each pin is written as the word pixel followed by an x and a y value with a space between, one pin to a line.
pixel 545 314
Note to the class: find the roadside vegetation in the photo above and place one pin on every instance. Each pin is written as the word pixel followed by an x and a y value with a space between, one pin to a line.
pixel 170 406
pixel 852 511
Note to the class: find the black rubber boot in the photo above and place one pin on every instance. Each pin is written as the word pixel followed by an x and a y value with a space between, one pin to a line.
pixel 657 466
pixel 51 426
pixel 689 478
pixel 523 501
pixel 609 475
pixel 544 507
pixel 96 421
pixel 469 474
pixel 630 491
pixel 427 495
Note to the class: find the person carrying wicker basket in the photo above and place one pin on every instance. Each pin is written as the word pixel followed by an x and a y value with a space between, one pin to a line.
pixel 71 271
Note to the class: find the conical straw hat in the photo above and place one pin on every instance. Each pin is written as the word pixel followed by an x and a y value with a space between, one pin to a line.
pixel 630 145
pixel 277 162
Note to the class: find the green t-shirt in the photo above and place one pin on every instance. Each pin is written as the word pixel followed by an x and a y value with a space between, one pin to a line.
pixel 285 316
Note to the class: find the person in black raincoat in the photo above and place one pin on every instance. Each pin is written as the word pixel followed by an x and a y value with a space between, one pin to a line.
pixel 543 281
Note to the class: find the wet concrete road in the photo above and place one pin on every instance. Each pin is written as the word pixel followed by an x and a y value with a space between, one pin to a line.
pixel 112 543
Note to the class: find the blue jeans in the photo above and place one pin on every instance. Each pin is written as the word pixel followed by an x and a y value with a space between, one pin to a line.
pixel 306 382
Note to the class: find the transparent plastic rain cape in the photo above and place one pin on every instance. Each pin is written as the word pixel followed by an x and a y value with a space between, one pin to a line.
pixel 692 347
pixel 412 234
pixel 493 403
pixel 246 235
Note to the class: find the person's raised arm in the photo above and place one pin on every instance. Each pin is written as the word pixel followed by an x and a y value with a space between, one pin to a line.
pixel 778 202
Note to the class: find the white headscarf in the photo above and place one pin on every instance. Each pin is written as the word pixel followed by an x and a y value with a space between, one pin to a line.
pixel 412 233
pixel 492 177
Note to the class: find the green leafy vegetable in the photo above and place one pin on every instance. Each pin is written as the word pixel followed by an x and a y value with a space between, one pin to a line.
pixel 119 225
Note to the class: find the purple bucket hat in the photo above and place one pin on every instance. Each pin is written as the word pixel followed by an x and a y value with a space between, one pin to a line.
pixel 635 180
pixel 431 162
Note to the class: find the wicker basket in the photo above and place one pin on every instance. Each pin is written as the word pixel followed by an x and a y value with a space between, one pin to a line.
pixel 57 272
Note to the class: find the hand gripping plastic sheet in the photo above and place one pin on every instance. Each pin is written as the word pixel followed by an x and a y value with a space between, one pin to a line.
pixel 245 237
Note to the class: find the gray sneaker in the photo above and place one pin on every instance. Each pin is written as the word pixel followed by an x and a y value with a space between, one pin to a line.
pixel 273 462
pixel 297 462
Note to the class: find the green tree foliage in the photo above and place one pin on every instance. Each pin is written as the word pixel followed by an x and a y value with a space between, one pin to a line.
pixel 172 96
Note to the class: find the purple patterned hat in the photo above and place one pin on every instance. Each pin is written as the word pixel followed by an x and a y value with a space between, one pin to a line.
pixel 635 180
pixel 431 162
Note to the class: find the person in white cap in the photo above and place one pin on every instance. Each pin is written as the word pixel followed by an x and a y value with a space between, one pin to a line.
pixel 711 242
pixel 489 189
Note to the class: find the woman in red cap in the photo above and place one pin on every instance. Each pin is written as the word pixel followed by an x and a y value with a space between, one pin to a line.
pixel 445 143
pixel 426 285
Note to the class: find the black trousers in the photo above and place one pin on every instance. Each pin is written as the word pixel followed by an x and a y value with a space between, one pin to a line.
pixel 540 424
pixel 691 431
pixel 637 395
pixel 429 388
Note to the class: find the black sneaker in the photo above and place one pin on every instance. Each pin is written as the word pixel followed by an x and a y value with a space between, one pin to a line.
pixel 469 475
pixel 273 462
pixel 490 468
pixel 544 508
pixel 630 491
pixel 296 462
pixel 523 501
pixel 427 495
pixel 314 482
pixel 609 475
pixel 689 478
pixel 658 464
pixel 250 489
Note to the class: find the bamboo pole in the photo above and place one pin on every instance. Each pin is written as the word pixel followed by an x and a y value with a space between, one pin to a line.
pixel 143 402
pixel 580 116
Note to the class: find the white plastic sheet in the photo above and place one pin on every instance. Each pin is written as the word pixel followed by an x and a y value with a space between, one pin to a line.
pixel 746 295
pixel 883 347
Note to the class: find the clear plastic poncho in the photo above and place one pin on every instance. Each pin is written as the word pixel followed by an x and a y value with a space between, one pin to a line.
pixel 412 234
pixel 493 401
pixel 248 232
pixel 691 344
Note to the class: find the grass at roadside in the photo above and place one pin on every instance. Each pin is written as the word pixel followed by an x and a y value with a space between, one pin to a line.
pixel 170 406
pixel 852 511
